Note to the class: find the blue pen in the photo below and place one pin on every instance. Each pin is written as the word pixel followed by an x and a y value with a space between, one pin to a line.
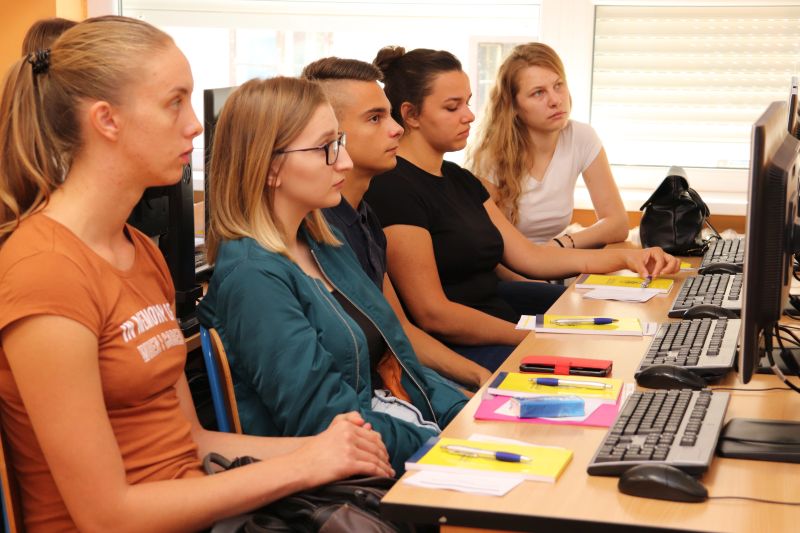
pixel 556 382
pixel 597 321
pixel 468 451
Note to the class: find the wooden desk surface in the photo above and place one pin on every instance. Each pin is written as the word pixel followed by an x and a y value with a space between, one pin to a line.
pixel 579 502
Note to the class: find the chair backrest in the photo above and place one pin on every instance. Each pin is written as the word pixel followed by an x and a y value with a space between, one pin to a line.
pixel 220 381
pixel 12 512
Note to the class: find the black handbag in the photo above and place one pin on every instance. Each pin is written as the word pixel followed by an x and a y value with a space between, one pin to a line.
pixel 343 506
pixel 673 217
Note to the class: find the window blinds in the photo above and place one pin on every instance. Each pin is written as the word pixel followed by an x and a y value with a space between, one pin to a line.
pixel 683 85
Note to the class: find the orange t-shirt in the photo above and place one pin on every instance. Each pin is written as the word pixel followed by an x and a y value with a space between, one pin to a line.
pixel 45 269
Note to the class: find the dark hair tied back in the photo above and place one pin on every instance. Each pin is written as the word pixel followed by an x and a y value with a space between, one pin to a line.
pixel 409 76
pixel 387 56
pixel 40 61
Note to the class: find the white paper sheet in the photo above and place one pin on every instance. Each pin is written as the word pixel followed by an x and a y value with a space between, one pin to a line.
pixel 621 294
pixel 477 483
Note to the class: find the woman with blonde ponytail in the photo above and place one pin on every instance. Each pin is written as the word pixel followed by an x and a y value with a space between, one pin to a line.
pixel 531 154
pixel 97 415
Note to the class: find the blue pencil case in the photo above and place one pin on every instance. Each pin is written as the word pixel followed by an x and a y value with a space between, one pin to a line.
pixel 549 406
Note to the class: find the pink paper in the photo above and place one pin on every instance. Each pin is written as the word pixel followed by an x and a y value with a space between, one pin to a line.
pixel 603 416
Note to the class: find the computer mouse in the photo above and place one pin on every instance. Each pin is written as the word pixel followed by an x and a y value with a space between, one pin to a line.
pixel 708 311
pixel 721 268
pixel 663 482
pixel 669 377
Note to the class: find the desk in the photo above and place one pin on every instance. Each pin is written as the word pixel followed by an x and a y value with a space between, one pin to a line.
pixel 579 502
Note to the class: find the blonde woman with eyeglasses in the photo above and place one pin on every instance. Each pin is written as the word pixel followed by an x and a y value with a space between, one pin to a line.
pixel 308 335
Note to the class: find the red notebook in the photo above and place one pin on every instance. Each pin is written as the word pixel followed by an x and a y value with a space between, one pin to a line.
pixel 576 366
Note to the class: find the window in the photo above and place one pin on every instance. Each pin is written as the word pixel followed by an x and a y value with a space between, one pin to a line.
pixel 229 42
pixel 683 86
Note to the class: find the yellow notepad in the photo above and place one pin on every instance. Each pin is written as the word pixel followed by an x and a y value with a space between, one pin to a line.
pixel 594 281
pixel 523 385
pixel 623 326
pixel 546 464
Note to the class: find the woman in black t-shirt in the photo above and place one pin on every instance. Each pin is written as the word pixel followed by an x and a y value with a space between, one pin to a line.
pixel 445 235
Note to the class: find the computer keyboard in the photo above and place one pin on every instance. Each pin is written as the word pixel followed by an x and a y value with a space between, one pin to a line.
pixel 722 290
pixel 706 346
pixel 724 251
pixel 676 427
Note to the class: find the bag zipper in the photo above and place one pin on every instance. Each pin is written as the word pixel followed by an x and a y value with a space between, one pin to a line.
pixel 394 353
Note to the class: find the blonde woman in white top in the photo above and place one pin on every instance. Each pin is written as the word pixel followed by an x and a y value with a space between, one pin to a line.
pixel 532 153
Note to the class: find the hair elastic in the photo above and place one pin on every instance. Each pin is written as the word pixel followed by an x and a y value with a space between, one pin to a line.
pixel 568 236
pixel 40 61
pixel 561 244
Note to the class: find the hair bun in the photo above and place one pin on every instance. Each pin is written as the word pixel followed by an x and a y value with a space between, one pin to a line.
pixel 387 56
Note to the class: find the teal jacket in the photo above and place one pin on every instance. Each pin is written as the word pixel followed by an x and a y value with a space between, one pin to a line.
pixel 298 360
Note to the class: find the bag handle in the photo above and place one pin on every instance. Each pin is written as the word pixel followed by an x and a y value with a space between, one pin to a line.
pixel 212 459
pixel 679 175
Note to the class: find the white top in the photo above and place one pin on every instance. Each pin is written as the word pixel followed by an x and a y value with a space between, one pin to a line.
pixel 546 205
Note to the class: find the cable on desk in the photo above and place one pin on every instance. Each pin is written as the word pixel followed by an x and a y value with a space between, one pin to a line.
pixel 759 500
pixel 768 349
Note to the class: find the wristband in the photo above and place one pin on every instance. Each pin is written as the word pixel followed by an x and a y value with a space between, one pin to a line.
pixel 561 244
pixel 568 236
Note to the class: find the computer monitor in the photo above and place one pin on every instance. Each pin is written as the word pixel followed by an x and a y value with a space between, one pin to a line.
pixel 167 215
pixel 213 100
pixel 772 238
pixel 794 123
pixel 771 212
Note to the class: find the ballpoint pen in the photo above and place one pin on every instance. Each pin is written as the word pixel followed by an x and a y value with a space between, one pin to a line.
pixel 556 382
pixel 597 321
pixel 468 451
pixel 646 282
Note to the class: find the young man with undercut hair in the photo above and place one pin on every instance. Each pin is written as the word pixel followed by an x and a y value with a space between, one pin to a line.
pixel 364 115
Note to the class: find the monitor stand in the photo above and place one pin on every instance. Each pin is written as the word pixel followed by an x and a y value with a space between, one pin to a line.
pixel 186 310
pixel 765 440
pixel 761 440
pixel 788 360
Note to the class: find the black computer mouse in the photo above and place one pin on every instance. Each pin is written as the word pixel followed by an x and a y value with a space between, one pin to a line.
pixel 663 482
pixel 669 377
pixel 721 268
pixel 708 311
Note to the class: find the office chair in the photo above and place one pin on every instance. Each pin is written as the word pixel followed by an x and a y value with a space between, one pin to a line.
pixel 220 382
pixel 12 513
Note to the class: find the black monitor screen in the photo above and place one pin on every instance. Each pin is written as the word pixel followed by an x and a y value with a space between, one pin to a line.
pixel 167 215
pixel 213 100
pixel 771 208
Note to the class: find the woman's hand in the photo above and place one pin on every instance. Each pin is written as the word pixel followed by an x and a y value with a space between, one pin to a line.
pixel 651 262
pixel 348 447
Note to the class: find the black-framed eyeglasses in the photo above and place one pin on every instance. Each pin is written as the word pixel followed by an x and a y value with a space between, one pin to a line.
pixel 331 149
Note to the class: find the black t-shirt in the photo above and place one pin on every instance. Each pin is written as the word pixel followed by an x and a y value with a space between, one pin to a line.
pixel 466 244
pixel 376 345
